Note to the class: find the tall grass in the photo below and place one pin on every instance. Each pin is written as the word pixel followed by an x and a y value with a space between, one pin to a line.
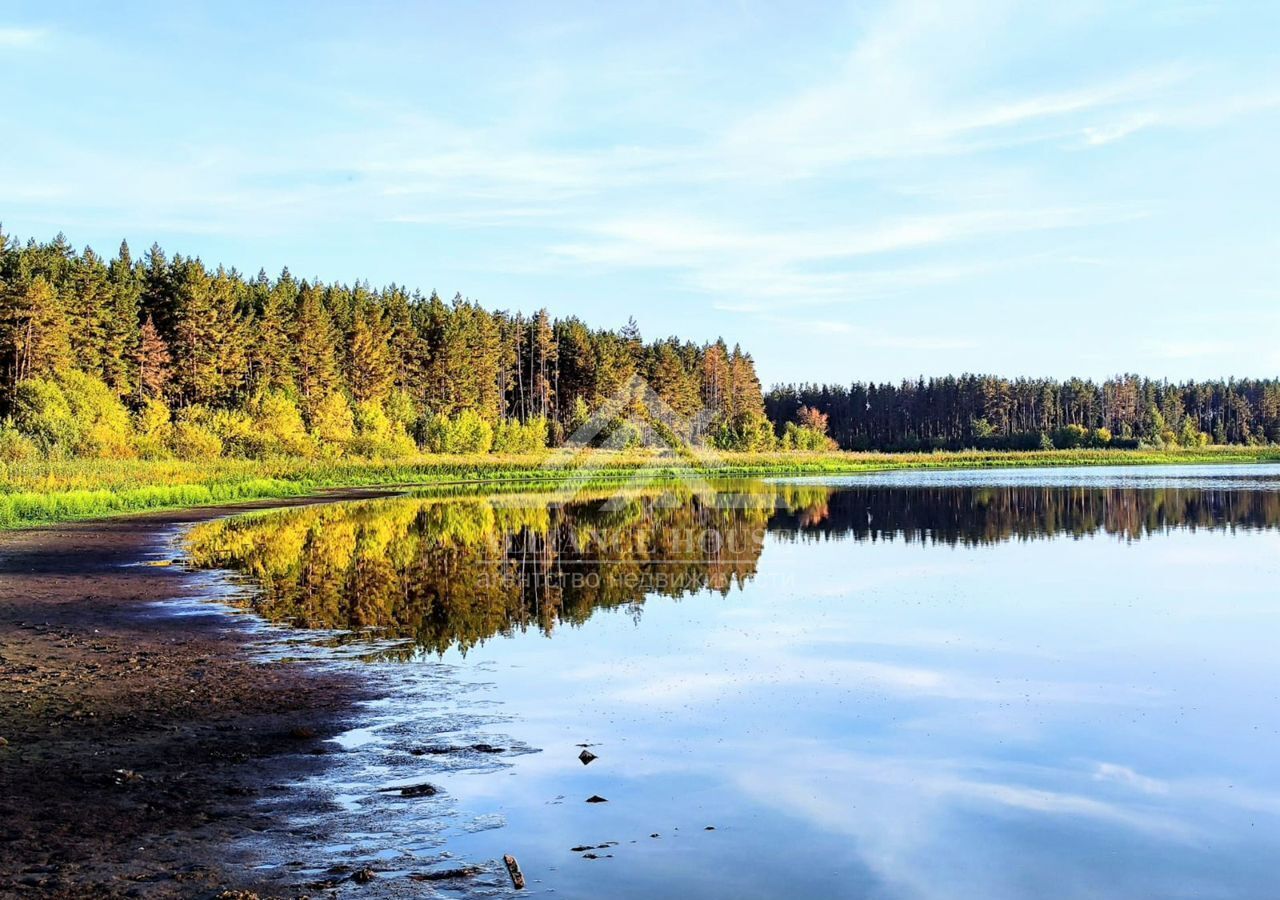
pixel 37 492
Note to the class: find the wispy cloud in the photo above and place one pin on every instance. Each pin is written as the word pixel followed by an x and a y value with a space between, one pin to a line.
pixel 15 37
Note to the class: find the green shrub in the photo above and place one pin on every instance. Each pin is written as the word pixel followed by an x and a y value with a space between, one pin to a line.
pixel 153 430
pixel 16 446
pixel 1071 437
pixel 237 431
pixel 805 438
pixel 377 435
pixel 41 411
pixel 467 432
pixel 512 436
pixel 193 437
pixel 333 425
pixel 106 429
pixel 278 424
pixel 743 433
pixel 402 411
pixel 622 435
pixel 73 415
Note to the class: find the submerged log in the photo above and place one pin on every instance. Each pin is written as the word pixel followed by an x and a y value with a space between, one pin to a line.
pixel 513 868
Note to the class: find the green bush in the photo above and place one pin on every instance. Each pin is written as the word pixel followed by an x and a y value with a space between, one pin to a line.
pixel 402 411
pixel 237 431
pixel 16 446
pixel 743 433
pixel 805 438
pixel 193 437
pixel 41 411
pixel 377 436
pixel 622 435
pixel 512 436
pixel 279 428
pixel 333 425
pixel 1071 437
pixel 73 415
pixel 467 432
pixel 153 430
pixel 107 431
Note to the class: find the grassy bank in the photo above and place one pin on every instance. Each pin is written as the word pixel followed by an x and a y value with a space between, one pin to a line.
pixel 33 493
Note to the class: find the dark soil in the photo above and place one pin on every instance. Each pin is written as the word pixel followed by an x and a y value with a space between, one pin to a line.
pixel 135 744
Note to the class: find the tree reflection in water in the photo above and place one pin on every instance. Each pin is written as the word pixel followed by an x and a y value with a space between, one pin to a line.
pixel 451 570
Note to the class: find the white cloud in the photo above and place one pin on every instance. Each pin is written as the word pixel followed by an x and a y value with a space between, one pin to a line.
pixel 22 37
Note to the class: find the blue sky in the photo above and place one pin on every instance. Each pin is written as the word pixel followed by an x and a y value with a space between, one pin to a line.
pixel 873 190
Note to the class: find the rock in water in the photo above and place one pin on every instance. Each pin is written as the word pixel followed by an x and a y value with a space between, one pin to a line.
pixel 596 798
pixel 586 756
pixel 420 790
pixel 412 790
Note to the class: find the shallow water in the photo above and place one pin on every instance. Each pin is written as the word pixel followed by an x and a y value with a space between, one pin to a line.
pixel 1057 683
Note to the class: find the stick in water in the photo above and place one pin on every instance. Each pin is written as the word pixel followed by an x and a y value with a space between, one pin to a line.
pixel 517 877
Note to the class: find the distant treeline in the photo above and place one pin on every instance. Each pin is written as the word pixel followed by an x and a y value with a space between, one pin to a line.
pixel 952 515
pixel 987 412
pixel 200 362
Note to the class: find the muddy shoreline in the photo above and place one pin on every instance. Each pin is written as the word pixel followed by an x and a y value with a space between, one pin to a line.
pixel 138 744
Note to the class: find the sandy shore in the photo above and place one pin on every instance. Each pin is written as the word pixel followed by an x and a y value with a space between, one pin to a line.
pixel 137 743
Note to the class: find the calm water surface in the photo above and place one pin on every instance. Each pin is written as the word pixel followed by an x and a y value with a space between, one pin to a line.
pixel 1058 684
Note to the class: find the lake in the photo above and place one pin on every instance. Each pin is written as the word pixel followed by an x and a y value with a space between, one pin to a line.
pixel 1049 683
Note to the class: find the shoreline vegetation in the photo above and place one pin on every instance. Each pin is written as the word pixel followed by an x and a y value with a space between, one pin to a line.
pixel 34 493
pixel 131 385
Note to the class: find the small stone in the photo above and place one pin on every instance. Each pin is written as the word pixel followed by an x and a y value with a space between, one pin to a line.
pixel 587 756
pixel 710 828
pixel 364 875
pixel 419 790
pixel 596 798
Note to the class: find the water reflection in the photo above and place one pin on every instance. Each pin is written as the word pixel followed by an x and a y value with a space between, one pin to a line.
pixel 453 570
pixel 924 687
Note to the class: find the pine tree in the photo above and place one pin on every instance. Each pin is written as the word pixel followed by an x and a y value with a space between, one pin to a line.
pixel 315 341
pixel 121 329
pixel 543 361
pixel 715 376
pixel 33 324
pixel 208 338
pixel 151 359
pixel 88 310
pixel 369 370
pixel 271 351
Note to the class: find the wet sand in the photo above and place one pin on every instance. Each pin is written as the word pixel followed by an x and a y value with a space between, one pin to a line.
pixel 138 744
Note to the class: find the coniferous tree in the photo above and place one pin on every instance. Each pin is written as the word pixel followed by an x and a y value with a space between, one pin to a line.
pixel 121 331
pixel 370 372
pixel 88 309
pixel 152 361
pixel 36 338
pixel 315 341
pixel 271 353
